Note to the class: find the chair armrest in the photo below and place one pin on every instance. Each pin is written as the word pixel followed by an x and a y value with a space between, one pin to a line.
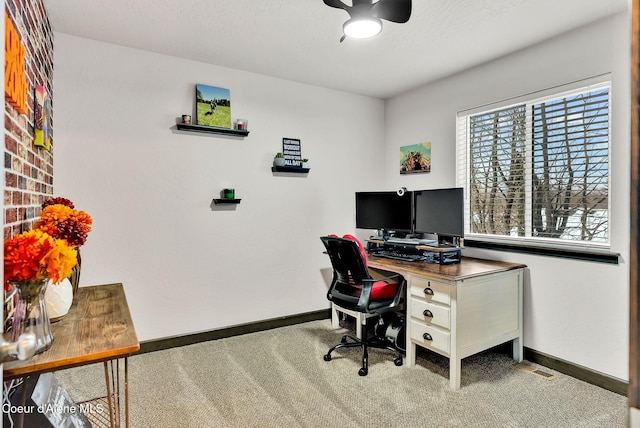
pixel 364 303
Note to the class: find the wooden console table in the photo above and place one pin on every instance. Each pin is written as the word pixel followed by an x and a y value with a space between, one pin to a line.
pixel 98 328
pixel 461 309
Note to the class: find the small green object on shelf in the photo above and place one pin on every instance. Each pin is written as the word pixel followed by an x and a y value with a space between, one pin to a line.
pixel 278 159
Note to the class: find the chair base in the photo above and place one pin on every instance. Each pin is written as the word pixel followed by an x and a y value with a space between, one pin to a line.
pixel 365 343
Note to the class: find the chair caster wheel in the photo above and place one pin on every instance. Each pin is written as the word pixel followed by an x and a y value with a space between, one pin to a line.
pixel 327 357
pixel 397 362
pixel 363 371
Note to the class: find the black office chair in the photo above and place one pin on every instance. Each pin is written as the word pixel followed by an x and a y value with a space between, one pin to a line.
pixel 354 289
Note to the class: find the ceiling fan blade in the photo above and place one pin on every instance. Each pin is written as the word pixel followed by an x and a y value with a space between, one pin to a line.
pixel 337 4
pixel 392 10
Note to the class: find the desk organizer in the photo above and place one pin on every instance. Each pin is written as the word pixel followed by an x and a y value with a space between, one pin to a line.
pixel 441 255
pixel 429 254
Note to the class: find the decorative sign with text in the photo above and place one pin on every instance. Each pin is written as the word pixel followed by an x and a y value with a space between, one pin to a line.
pixel 291 151
pixel 15 77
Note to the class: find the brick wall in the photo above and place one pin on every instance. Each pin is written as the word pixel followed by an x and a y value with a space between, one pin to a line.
pixel 28 168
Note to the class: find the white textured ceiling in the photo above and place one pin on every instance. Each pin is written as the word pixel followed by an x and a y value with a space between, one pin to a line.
pixel 299 39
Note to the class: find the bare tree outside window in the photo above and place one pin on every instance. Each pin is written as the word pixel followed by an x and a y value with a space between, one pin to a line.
pixel 541 170
pixel 571 167
pixel 497 172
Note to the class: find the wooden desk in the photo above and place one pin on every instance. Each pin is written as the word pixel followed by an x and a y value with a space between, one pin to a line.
pixel 460 309
pixel 98 328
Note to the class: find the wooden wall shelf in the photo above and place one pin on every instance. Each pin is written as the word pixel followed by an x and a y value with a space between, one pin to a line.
pixel 293 169
pixel 226 201
pixel 212 129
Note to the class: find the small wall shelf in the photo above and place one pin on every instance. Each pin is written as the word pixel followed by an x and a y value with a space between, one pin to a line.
pixel 212 129
pixel 226 201
pixel 293 169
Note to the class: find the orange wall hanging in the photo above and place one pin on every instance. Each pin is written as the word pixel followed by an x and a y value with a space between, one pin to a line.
pixel 15 78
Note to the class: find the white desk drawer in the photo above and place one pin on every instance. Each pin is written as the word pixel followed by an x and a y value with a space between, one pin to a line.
pixel 430 337
pixel 432 291
pixel 430 314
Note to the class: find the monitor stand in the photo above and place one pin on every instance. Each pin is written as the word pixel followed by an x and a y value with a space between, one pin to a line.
pixel 448 241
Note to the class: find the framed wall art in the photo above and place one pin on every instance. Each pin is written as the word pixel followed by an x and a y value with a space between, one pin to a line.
pixel 42 115
pixel 213 106
pixel 415 158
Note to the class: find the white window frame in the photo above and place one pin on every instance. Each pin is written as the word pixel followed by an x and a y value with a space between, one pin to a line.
pixel 463 165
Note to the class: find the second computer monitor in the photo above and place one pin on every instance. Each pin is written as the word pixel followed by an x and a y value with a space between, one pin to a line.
pixel 439 211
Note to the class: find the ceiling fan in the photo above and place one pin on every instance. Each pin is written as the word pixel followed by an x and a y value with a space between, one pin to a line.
pixel 365 15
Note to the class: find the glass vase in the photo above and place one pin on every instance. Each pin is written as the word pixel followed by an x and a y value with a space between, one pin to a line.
pixel 30 313
pixel 75 274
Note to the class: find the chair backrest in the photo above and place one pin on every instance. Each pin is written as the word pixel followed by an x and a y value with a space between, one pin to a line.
pixel 349 266
pixel 352 286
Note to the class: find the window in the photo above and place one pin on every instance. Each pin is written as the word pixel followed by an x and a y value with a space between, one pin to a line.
pixel 536 172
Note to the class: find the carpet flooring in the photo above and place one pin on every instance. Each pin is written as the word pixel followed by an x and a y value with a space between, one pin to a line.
pixel 278 378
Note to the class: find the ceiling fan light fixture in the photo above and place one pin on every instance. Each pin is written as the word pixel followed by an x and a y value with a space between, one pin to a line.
pixel 362 27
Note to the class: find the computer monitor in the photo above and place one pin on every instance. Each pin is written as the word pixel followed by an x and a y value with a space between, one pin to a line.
pixel 439 211
pixel 384 210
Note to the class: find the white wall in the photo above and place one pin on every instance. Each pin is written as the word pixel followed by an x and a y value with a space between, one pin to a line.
pixel 185 266
pixel 188 268
pixel 574 310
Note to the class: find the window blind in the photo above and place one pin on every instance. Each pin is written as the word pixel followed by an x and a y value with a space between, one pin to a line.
pixel 537 171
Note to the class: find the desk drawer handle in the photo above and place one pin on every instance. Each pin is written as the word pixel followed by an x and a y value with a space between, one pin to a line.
pixel 428 291
pixel 427 313
pixel 427 336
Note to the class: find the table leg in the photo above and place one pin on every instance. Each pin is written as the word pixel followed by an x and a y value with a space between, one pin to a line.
pixel 335 317
pixel 410 356
pixel 455 367
pixel 361 322
pixel 117 390
pixel 126 391
pixel 23 400
pixel 518 351
pixel 109 397
pixel 112 379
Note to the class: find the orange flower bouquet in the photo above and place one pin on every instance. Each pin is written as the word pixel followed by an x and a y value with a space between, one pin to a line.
pixel 60 220
pixel 37 255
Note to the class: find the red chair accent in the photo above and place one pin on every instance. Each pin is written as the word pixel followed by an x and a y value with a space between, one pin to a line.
pixel 352 288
